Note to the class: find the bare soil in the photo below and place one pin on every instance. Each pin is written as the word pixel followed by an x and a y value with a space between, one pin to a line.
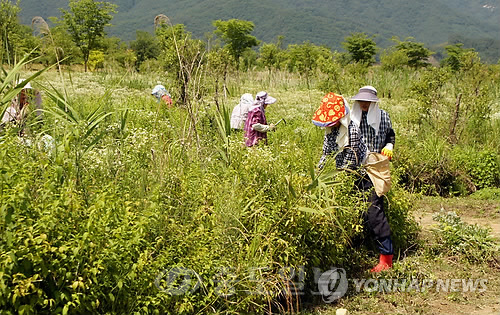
pixel 482 212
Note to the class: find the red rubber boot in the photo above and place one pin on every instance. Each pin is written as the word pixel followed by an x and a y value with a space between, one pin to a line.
pixel 385 262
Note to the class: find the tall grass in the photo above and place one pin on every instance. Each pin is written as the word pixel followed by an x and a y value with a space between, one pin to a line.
pixel 127 201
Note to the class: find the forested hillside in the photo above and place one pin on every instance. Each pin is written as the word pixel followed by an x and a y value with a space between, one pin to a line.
pixel 434 22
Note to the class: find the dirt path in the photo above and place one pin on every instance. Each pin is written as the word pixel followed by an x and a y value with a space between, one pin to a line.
pixel 481 212
pixel 426 222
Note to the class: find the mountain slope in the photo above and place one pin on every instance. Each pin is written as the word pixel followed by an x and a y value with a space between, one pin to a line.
pixel 325 22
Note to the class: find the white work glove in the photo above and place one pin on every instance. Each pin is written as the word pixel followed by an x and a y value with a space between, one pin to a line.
pixel 263 128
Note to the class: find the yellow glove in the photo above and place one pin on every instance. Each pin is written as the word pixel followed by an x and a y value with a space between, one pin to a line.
pixel 272 127
pixel 387 151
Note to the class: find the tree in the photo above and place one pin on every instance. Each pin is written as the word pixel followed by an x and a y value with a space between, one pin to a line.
pixel 392 59
pixel 118 53
pixel 182 57
pixel 57 45
pixel 416 53
pixel 145 47
pixel 361 48
pixel 305 59
pixel 219 65
pixel 85 23
pixel 96 60
pixel 457 56
pixel 236 34
pixel 272 55
pixel 331 66
pixel 14 37
pixel 248 59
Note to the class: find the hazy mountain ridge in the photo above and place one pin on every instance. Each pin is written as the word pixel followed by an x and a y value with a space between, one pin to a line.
pixel 326 22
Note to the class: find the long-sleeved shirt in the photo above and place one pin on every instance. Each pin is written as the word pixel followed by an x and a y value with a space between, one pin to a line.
pixel 352 155
pixel 256 117
pixel 240 111
pixel 376 142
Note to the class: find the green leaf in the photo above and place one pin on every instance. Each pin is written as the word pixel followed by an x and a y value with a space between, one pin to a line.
pixel 312 185
pixel 310 210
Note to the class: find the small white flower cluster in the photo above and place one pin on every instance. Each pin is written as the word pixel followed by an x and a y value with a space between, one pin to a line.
pixel 147 115
pixel 301 131
pixel 112 127
pixel 46 143
pixel 97 156
pixel 141 139
pixel 263 153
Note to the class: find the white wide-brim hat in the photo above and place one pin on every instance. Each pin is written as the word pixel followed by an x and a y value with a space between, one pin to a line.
pixel 264 96
pixel 27 86
pixel 366 93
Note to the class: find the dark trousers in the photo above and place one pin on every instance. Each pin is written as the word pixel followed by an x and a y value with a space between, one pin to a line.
pixel 374 219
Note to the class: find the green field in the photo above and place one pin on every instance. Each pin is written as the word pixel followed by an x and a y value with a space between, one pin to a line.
pixel 140 209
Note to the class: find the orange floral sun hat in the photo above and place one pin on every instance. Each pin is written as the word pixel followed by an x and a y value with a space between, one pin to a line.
pixel 331 110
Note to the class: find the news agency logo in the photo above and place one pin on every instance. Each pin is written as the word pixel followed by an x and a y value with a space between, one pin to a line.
pixel 331 284
pixel 178 281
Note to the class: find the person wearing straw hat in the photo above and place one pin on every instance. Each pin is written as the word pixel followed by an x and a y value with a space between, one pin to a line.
pixel 376 128
pixel 240 112
pixel 256 127
pixel 342 136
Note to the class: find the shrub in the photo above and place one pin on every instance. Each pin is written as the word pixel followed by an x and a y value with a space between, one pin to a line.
pixel 481 167
pixel 399 208
pixel 434 167
pixel 425 166
pixel 455 237
pixel 487 194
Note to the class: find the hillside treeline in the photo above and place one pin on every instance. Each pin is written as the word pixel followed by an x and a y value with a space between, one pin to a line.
pixel 436 23
pixel 69 44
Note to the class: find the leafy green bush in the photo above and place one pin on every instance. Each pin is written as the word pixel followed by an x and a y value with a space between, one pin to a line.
pixel 434 167
pixel 471 242
pixel 103 234
pixel 480 166
pixel 425 166
pixel 487 194
pixel 393 59
pixel 399 208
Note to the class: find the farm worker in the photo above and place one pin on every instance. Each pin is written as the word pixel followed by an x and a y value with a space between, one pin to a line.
pixel 342 136
pixel 17 112
pixel 376 128
pixel 161 94
pixel 240 112
pixel 256 126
